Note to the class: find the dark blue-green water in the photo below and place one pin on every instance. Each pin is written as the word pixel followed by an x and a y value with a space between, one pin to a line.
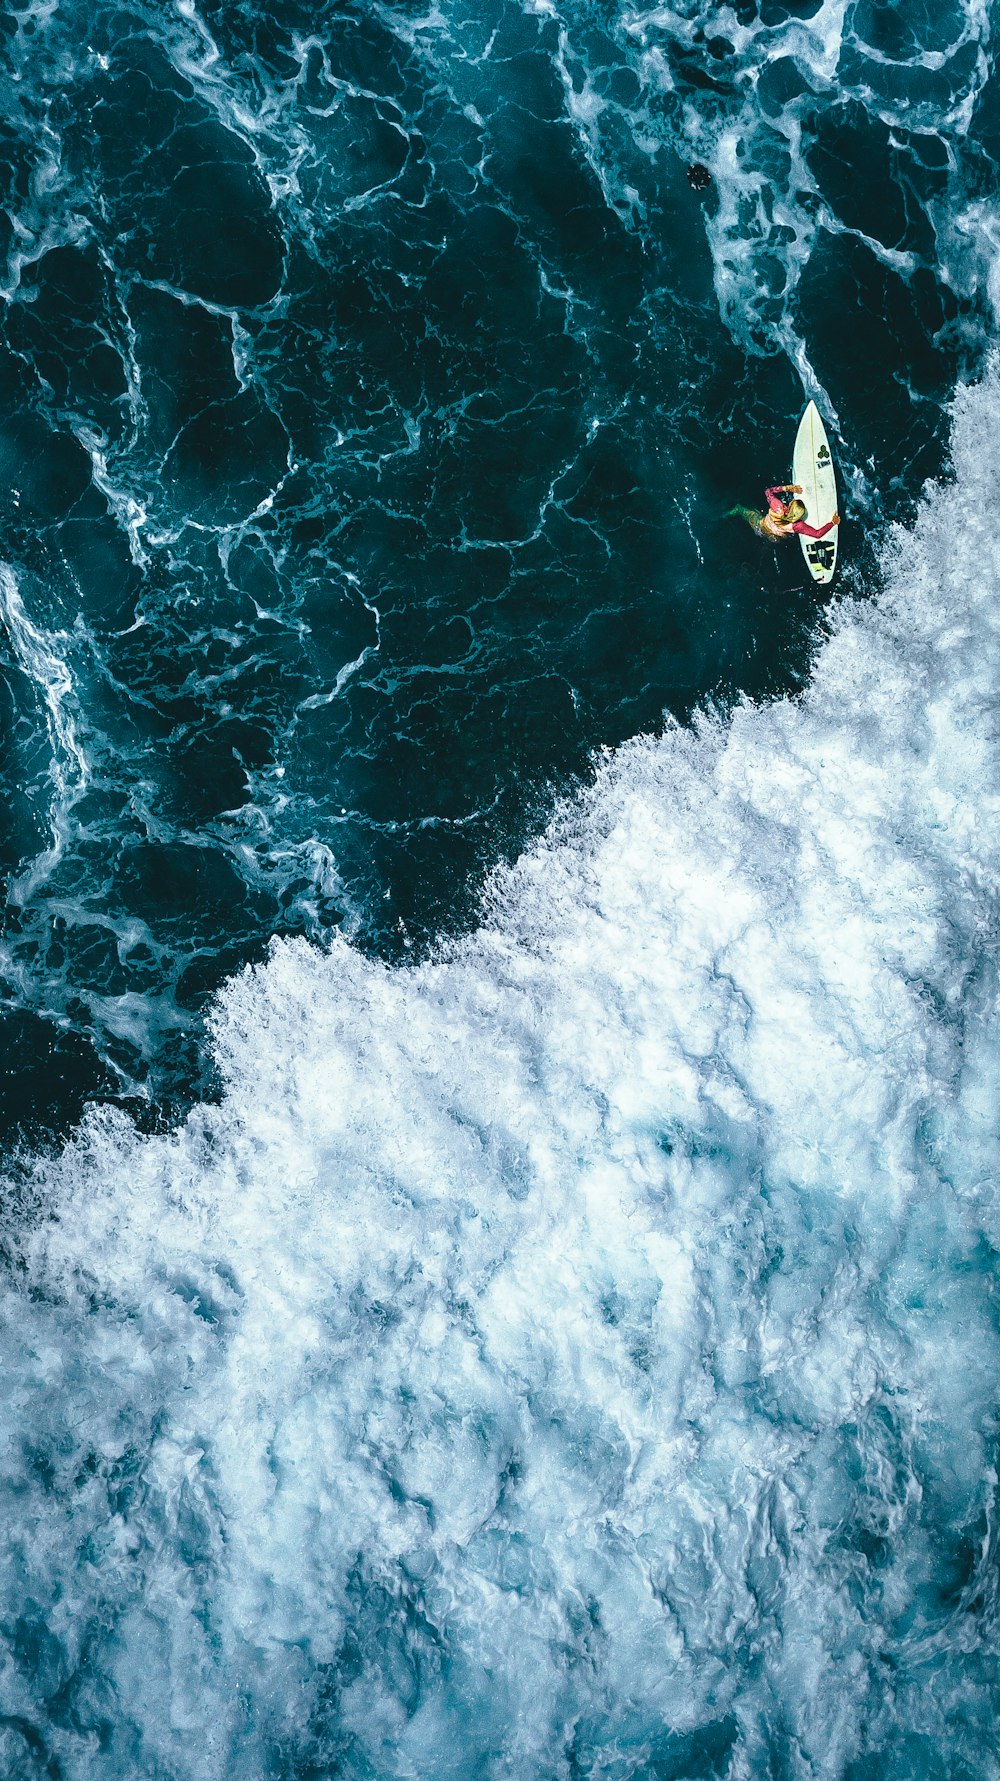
pixel 498 986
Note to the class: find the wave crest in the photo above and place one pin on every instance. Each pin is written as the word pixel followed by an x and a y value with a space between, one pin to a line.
pixel 574 1356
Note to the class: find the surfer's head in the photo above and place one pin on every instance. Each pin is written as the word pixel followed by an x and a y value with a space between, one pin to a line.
pixel 795 510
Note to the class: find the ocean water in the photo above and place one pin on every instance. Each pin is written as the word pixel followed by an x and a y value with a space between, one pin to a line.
pixel 499 1224
pixel 373 389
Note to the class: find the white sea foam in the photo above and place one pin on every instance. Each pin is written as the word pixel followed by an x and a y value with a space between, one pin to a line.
pixel 41 657
pixel 575 1356
pixel 771 213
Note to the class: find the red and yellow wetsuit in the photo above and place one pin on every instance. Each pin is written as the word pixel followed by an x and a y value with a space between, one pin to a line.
pixel 780 526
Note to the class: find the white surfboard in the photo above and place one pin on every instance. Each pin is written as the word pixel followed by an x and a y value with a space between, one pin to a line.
pixel 812 466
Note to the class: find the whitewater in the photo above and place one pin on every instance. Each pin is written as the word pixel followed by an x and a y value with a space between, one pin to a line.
pixel 576 1354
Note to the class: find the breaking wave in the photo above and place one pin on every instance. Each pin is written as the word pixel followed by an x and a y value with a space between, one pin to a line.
pixel 575 1355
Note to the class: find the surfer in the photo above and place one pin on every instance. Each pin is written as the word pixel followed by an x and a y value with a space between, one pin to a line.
pixel 783 518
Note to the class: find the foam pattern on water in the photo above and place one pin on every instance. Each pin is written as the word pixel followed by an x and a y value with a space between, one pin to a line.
pixel 838 134
pixel 575 1356
pixel 373 390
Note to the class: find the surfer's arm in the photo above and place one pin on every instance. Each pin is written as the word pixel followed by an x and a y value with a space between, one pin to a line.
pixel 807 531
pixel 773 496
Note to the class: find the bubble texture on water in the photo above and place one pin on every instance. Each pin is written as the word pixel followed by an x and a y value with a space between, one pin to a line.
pixel 574 1355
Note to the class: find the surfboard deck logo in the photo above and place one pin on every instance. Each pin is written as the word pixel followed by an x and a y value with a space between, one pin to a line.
pixel 812 466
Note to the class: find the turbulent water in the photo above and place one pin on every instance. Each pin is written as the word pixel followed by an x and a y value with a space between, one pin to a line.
pixel 537 1319
pixel 373 388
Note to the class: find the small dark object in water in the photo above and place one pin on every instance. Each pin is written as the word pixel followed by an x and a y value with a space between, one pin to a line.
pixel 698 176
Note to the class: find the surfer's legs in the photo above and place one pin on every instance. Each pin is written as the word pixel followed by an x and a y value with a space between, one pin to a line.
pixel 751 516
